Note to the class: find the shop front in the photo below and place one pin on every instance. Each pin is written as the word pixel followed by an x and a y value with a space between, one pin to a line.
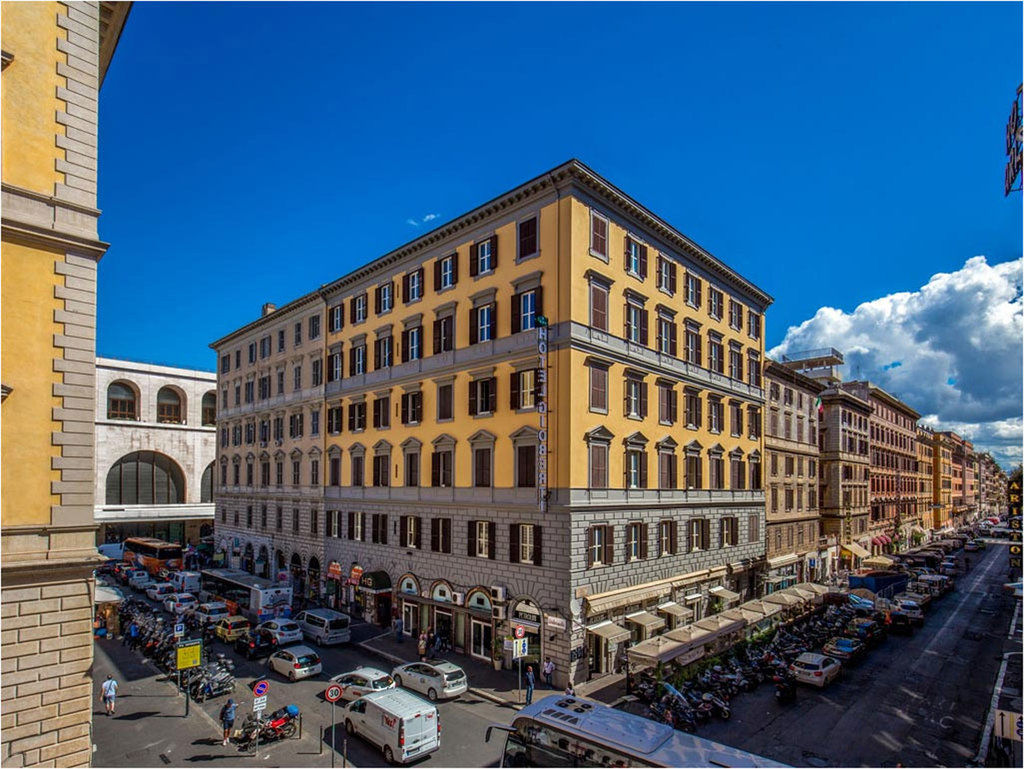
pixel 375 593
pixel 334 587
pixel 464 621
pixel 781 572
pixel 603 640
pixel 526 614
pixel 298 573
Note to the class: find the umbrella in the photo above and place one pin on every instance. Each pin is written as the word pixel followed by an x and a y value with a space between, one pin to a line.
pixel 783 598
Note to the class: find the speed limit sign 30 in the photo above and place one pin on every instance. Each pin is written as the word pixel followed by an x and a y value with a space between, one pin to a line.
pixel 333 693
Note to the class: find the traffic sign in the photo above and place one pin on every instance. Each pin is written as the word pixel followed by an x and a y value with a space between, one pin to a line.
pixel 333 693
pixel 189 654
pixel 520 631
pixel 520 647
pixel 261 687
pixel 259 704
pixel 179 630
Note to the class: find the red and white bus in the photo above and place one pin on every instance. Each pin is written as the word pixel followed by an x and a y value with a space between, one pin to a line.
pixel 152 554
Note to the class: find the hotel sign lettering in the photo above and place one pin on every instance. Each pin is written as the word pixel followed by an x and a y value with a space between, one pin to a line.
pixel 542 411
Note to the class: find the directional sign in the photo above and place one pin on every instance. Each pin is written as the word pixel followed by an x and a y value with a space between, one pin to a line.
pixel 520 648
pixel 179 630
pixel 189 654
pixel 333 693
pixel 261 687
pixel 259 704
pixel 1008 725
pixel 520 631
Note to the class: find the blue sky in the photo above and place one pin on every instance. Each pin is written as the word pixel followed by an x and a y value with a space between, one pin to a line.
pixel 833 154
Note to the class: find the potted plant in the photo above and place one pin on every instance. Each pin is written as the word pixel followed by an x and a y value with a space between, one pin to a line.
pixel 498 652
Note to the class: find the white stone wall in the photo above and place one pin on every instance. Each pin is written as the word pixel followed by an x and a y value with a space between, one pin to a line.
pixel 191 445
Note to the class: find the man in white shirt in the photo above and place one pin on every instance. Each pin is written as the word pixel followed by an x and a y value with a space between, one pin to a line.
pixel 549 671
pixel 108 694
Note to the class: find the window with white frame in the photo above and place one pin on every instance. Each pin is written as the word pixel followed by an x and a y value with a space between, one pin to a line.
pixel 360 308
pixel 415 284
pixel 526 540
pixel 666 537
pixel 484 257
pixel 527 310
pixel 387 298
pixel 483 540
pixel 484 322
pixel 448 271
pixel 634 541
pixel 634 257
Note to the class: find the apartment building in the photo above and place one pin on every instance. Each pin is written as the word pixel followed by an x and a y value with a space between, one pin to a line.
pixel 925 483
pixel 892 437
pixel 991 485
pixel 793 523
pixel 962 466
pixel 942 481
pixel 544 413
pixel 155 449
pixel 55 56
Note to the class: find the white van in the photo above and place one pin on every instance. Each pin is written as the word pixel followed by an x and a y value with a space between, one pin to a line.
pixel 324 626
pixel 185 581
pixel 404 726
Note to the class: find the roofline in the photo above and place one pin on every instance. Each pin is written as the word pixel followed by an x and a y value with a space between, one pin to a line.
pixel 112 35
pixel 781 371
pixel 837 393
pixel 127 364
pixel 885 395
pixel 559 177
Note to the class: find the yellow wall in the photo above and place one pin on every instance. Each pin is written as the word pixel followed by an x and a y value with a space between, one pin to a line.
pixel 27 367
pixel 29 124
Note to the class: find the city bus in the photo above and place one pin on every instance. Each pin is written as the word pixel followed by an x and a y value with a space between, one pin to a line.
pixel 562 730
pixel 152 554
pixel 255 598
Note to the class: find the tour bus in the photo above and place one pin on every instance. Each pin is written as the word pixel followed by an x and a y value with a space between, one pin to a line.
pixel 255 598
pixel 152 554
pixel 563 730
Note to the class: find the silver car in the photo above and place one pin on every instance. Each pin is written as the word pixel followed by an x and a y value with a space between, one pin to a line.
pixel 434 678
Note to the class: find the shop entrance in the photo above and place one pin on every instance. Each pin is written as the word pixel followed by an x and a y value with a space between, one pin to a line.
pixel 443 618
pixel 481 642
pixel 410 617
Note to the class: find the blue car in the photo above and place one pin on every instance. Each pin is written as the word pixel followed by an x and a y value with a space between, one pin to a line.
pixel 844 649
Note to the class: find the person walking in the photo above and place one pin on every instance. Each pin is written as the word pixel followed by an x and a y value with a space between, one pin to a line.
pixel 108 694
pixel 531 680
pixel 227 718
pixel 438 640
pixel 133 635
pixel 421 646
pixel 549 672
pixel 569 690
pixel 398 629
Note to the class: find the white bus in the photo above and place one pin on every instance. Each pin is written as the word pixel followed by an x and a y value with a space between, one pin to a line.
pixel 253 597
pixel 564 731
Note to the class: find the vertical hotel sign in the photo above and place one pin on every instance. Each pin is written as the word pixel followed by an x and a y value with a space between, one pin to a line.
pixel 542 410
pixel 1014 141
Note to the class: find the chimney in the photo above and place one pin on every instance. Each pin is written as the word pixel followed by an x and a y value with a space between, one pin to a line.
pixel 268 308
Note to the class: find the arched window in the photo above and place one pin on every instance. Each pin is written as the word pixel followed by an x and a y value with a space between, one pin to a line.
pixel 168 406
pixel 145 478
pixel 206 486
pixel 121 402
pixel 210 410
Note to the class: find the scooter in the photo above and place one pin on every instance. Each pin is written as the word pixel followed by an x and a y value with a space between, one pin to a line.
pixel 278 725
pixel 785 688
pixel 721 709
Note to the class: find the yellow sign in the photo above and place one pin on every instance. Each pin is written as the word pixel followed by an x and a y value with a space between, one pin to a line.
pixel 189 654
pixel 1014 549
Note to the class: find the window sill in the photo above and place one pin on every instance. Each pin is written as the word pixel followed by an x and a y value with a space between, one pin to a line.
pixel 599 255
pixel 666 291
pixel 481 275
pixel 526 410
pixel 414 300
pixel 527 257
pixel 483 415
pixel 598 411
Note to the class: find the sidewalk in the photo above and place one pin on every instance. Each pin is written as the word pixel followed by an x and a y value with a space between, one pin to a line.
pixel 497 686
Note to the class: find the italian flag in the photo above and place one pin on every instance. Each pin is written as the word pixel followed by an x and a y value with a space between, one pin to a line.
pixel 817 404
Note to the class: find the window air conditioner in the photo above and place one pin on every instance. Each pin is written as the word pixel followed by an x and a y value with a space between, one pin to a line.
pixel 459 598
pixel 497 593
pixel 498 612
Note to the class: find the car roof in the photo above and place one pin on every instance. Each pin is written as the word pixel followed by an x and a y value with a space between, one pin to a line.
pixel 324 613
pixel 299 650
pixel 811 657
pixel 233 618
pixel 214 605
pixel 444 665
pixel 365 671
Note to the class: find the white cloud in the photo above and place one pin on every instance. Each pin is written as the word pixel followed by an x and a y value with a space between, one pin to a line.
pixel 422 220
pixel 429 217
pixel 951 350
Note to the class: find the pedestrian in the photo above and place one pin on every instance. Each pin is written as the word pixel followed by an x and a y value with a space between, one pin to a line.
pixel 438 640
pixel 133 635
pixel 227 718
pixel 569 690
pixel 108 694
pixel 398 630
pixel 530 682
pixel 549 672
pixel 421 646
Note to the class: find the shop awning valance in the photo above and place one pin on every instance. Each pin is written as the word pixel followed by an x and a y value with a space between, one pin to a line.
pixel 724 593
pixel 783 560
pixel 878 562
pixel 601 603
pixel 783 599
pixel 680 612
pixel 610 632
pixel 857 550
pixel 766 609
pixel 375 581
pixel 646 620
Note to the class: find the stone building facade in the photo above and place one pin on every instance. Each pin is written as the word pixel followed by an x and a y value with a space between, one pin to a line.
pixel 793 524
pixel 925 483
pixel 54 58
pixel 546 413
pixel 155 451
pixel 992 486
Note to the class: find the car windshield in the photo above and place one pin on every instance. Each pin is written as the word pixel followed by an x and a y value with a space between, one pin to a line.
pixel 382 683
pixel 804 665
pixel 288 627
pixel 308 659
pixel 338 624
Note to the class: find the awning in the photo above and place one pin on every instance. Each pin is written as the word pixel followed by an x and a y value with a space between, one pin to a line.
pixel 690 636
pixel 765 609
pixel 375 582
pixel 802 593
pixel 783 560
pixel 876 540
pixel 599 604
pixel 107 594
pixel 671 607
pixel 693 597
pixel 885 538
pixel 878 562
pixel 746 616
pixel 813 587
pixel 610 632
pixel 783 598
pixel 717 625
pixel 646 620
pixel 780 579
pixel 654 650
pixel 856 550
pixel 725 594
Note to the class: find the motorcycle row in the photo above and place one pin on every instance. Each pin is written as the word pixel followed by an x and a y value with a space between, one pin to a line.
pixel 695 700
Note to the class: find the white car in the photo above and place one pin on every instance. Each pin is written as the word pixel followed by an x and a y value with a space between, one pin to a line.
pixel 140 580
pixel 284 630
pixel 180 603
pixel 434 678
pixel 211 612
pixel 815 669
pixel 295 662
pixel 360 681
pixel 158 591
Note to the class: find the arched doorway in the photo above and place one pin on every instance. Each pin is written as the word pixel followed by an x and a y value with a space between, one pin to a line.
pixel 313 575
pixel 298 576
pixel 248 558
pixel 279 563
pixel 145 478
pixel 263 563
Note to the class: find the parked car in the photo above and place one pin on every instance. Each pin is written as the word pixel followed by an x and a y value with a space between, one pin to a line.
pixel 844 649
pixel 971 546
pixel 159 590
pixel 868 631
pixel 900 623
pixel 434 678
pixel 1013 588
pixel 401 724
pixel 360 681
pixel 295 662
pixel 910 608
pixel 284 630
pixel 228 629
pixel 180 603
pixel 815 669
pixel 254 644
pixel 211 612
pixel 185 581
pixel 324 626
pixel 140 580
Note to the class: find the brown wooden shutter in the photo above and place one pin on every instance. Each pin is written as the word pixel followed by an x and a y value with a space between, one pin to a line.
pixel 672 348
pixel 625 255
pixel 473 406
pixel 405 345
pixel 643 400
pixel 492 531
pixel 590 546
pixel 405 288
pixel 673 405
pixel 435 469
pixel 446 535
pixel 418 540
pixel 437 336
pixel 352 310
pixel 351 525
pixel 609 545
pixel 494 320
pixel 417 402
pixel 377 294
pixel 455 268
pixel 643 469
pixel 494 252
pixel 383 529
pixel 538 548
pixel 474 260
pixel 437 275
pixel 673 537
pixel 517 313
pixel 513 543
pixel 423 285
pixel 435 534
pixel 513 400
pixel 625 396
pixel 643 327
pixel 538 300
pixel 672 277
pixel 705 526
pixel 492 397
pixel 625 320
pixel 700 289
pixel 376 354
pixel 644 535
pixel 643 262
pixel 689 536
pixel 471 539
pixel 473 326
pixel 403 524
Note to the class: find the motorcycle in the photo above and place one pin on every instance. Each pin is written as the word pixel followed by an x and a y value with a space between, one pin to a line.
pixel 279 725
pixel 785 688
pixel 720 707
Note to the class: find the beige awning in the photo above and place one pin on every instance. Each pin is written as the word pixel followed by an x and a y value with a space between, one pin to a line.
pixel 800 592
pixel 680 612
pixel 718 625
pixel 783 599
pixel 725 594
pixel 689 635
pixel 599 604
pixel 857 550
pixel 878 562
pixel 654 650
pixel 610 632
pixel 783 560
pixel 813 587
pixel 646 620
pixel 766 609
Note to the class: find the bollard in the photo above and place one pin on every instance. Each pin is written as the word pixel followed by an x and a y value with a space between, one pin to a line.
pixel 321 751
pixel 300 726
